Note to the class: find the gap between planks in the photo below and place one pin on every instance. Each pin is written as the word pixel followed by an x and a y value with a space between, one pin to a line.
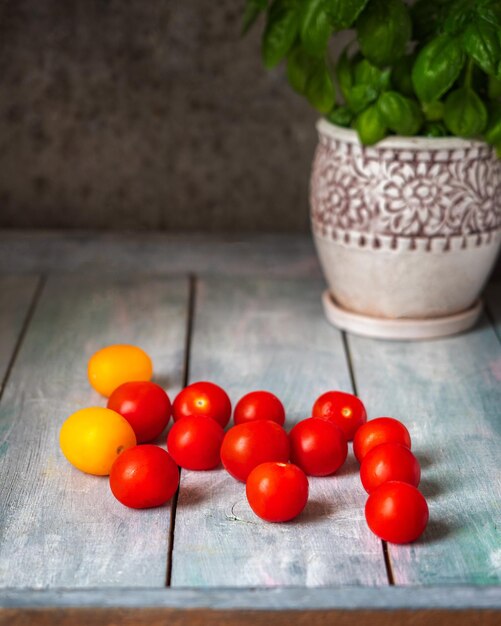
pixel 384 544
pixel 267 334
pixel 190 318
pixel 59 507
pixel 24 329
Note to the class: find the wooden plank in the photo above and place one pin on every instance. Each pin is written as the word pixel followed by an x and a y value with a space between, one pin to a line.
pixel 123 253
pixel 448 392
pixel 205 617
pixel 458 597
pixel 493 304
pixel 16 296
pixel 60 527
pixel 270 334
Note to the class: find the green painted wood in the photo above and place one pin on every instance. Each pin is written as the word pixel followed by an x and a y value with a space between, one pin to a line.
pixel 493 304
pixel 270 334
pixel 448 392
pixel 58 526
pixel 458 597
pixel 16 295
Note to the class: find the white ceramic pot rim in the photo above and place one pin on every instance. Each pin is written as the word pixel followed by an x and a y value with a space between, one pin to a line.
pixel 397 142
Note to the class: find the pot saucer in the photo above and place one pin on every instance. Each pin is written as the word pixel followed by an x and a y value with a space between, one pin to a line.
pixel 398 329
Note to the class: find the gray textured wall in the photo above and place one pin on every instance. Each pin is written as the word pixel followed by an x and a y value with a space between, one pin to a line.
pixel 146 114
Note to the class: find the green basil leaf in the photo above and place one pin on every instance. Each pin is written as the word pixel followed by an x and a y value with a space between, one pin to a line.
pixel 493 132
pixel 383 30
pixel 481 43
pixel 401 78
pixel 365 73
pixel 344 74
pixel 299 66
pixel 370 126
pixel 361 96
pixel 310 76
pixel 400 114
pixel 253 8
pixel 459 14
pixel 341 116
pixel 319 88
pixel 494 87
pixel 490 12
pixel 280 32
pixel 435 129
pixel 343 13
pixel 315 27
pixel 465 115
pixel 437 67
pixel 433 111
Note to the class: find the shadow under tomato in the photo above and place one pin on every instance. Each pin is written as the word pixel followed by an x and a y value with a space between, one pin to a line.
pixel 430 488
pixel 191 496
pixel 350 466
pixel 163 381
pixel 315 511
pixel 425 457
pixel 437 530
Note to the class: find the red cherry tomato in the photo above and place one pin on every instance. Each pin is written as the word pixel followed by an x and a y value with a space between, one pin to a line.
pixel 195 442
pixel 144 405
pixel 144 477
pixel 378 431
pixel 345 410
pixel 396 512
pixel 277 492
pixel 318 447
pixel 247 445
pixel 389 461
pixel 259 405
pixel 205 399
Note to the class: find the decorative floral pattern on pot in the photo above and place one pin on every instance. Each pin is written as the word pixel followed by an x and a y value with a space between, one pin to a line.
pixel 404 192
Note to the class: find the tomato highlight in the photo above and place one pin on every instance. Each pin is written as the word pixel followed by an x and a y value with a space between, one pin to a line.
pixel 378 431
pixel 247 445
pixel 259 405
pixel 318 447
pixel 397 512
pixel 386 462
pixel 344 410
pixel 143 477
pixel 195 442
pixel 144 405
pixel 277 492
pixel 203 398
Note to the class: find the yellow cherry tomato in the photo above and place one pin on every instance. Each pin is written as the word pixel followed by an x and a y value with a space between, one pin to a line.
pixel 91 439
pixel 114 365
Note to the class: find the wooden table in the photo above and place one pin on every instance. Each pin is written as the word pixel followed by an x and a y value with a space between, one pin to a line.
pixel 246 313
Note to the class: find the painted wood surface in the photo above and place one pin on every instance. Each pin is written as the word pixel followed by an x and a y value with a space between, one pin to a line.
pixel 448 392
pixel 271 598
pixel 121 254
pixel 16 295
pixel 60 527
pixel 268 334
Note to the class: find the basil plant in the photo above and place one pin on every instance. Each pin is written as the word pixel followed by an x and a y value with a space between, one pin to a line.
pixel 429 67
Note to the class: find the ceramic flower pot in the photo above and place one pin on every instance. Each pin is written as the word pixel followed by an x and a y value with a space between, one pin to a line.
pixel 407 231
